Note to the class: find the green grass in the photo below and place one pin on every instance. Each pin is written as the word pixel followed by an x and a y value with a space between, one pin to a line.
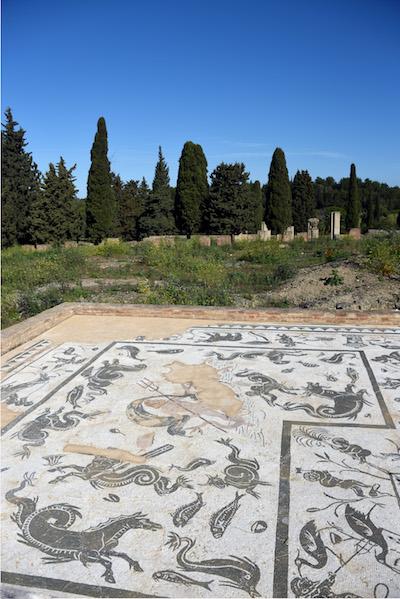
pixel 186 273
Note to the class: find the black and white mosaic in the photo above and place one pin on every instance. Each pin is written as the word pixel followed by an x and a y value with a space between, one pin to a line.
pixel 228 461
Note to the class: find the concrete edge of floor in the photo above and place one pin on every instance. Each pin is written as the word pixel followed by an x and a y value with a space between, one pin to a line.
pixel 22 332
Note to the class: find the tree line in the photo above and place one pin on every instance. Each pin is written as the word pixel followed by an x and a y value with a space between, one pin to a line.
pixel 45 208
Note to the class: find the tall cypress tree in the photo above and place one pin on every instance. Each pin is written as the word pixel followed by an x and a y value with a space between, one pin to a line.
pixel 254 208
pixel 117 186
pixel 158 217
pixel 229 199
pixel 20 184
pixel 100 201
pixel 143 200
pixel 353 213
pixel 279 198
pixel 377 210
pixel 191 189
pixel 369 206
pixel 303 200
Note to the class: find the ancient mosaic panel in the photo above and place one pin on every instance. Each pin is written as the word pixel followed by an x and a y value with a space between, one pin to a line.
pixel 229 461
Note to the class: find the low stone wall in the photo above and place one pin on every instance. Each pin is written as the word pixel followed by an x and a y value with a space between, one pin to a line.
pixel 22 332
pixel 246 237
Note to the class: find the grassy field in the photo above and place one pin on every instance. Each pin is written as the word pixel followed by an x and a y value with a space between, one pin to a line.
pixel 186 273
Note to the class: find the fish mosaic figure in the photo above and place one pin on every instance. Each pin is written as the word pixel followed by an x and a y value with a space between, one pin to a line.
pixel 186 512
pixel 177 578
pixel 74 396
pixel 221 519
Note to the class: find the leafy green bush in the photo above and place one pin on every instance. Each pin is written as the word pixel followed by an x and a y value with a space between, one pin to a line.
pixel 283 272
pixel 176 293
pixel 30 304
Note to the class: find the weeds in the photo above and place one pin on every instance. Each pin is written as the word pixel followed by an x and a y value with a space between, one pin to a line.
pixel 334 278
pixel 185 273
pixel 383 255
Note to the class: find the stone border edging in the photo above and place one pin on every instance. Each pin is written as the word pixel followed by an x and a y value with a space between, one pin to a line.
pixel 22 332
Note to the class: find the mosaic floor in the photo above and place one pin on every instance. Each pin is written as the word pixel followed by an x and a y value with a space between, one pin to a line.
pixel 224 461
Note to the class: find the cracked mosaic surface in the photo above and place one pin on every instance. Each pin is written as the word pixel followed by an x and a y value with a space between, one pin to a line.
pixel 227 461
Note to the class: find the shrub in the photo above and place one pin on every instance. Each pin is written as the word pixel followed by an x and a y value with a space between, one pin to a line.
pixel 334 278
pixel 383 255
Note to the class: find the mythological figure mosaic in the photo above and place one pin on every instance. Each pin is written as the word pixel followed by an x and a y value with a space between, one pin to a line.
pixel 228 461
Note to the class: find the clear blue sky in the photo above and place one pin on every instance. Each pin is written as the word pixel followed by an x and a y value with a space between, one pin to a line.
pixel 321 79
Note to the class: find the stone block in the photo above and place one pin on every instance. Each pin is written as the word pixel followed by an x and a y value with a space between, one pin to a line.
pixel 355 233
pixel 288 235
pixel 223 240
pixel 313 230
pixel 302 235
pixel 204 240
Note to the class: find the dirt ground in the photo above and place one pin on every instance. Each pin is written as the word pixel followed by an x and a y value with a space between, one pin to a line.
pixel 360 290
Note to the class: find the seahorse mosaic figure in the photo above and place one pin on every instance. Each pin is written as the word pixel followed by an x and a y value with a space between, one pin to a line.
pixel 48 529
pixel 346 403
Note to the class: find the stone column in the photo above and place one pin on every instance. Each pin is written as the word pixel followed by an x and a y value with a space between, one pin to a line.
pixel 335 225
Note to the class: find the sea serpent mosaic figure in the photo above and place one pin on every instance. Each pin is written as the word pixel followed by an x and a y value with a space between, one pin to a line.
pixel 35 432
pixel 240 473
pixel 104 472
pixel 48 529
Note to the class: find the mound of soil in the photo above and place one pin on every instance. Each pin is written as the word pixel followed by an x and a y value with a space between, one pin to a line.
pixel 360 289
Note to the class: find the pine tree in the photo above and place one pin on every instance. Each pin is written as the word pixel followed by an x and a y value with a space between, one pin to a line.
pixel 20 184
pixel 68 197
pixel 353 213
pixel 229 199
pixel 279 197
pixel 100 201
pixel 191 189
pixel 52 215
pixel 77 228
pixel 131 210
pixel 158 217
pixel 42 215
pixel 303 200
